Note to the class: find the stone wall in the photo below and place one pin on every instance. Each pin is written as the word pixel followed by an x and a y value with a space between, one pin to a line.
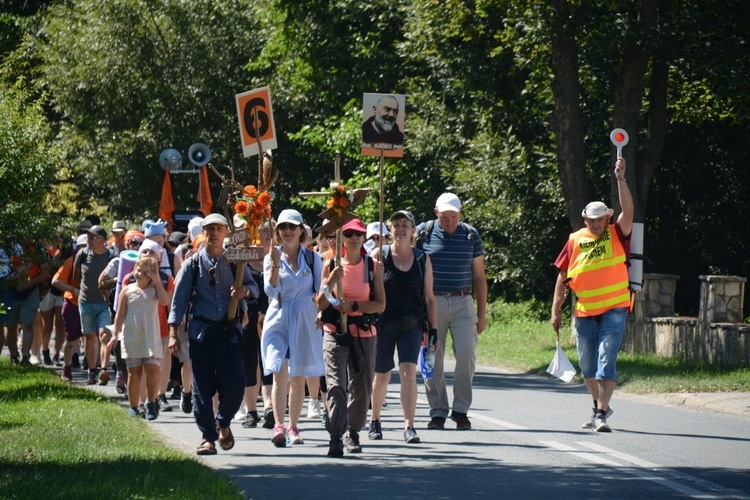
pixel 717 336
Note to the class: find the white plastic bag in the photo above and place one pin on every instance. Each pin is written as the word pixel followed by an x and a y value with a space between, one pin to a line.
pixel 561 367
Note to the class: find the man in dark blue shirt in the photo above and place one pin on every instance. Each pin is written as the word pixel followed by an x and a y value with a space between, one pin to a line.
pixel 206 284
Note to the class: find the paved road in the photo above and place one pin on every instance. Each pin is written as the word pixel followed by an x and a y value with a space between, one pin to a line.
pixel 526 443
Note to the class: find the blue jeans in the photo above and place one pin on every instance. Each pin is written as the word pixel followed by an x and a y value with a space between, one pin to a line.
pixel 599 338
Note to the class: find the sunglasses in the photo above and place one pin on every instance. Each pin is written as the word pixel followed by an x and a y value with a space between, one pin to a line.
pixel 286 227
pixel 331 237
pixel 212 273
pixel 349 234
pixel 136 243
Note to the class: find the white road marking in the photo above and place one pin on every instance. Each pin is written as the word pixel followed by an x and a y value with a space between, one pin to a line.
pixel 666 471
pixel 599 458
pixel 591 457
pixel 714 490
pixel 619 455
pixel 500 423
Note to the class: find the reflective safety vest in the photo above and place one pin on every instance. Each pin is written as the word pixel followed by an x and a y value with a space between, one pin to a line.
pixel 597 272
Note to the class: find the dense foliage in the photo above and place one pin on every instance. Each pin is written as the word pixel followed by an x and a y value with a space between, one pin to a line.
pixel 27 167
pixel 509 104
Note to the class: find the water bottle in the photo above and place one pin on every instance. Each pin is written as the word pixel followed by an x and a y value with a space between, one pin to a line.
pixel 331 299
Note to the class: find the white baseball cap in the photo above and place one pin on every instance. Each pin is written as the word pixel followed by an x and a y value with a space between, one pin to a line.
pixel 195 226
pixel 374 228
pixel 290 215
pixel 448 202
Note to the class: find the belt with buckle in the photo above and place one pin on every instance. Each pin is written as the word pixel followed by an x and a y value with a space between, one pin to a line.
pixel 453 294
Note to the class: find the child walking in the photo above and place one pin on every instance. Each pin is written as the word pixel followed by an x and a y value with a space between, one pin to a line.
pixel 137 328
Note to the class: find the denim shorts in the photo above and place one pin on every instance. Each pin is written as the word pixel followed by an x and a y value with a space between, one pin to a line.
pixel 599 339
pixel 94 317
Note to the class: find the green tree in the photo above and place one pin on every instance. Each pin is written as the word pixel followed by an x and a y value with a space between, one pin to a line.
pixel 509 104
pixel 130 78
pixel 28 162
pixel 483 101
pixel 322 56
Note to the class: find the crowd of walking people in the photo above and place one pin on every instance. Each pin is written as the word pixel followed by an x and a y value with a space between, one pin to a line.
pixel 154 311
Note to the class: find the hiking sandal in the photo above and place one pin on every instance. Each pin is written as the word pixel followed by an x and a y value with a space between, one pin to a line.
pixel 227 443
pixel 206 448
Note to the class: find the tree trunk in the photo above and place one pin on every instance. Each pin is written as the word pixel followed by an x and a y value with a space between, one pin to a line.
pixel 567 121
pixel 629 102
pixel 650 154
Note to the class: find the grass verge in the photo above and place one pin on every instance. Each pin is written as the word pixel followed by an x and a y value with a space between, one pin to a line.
pixel 519 337
pixel 62 441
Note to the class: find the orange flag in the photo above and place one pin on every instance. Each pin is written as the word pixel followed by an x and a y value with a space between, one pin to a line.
pixel 204 192
pixel 166 205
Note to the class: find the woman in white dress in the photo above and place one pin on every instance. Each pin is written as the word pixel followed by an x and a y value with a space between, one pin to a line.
pixel 291 346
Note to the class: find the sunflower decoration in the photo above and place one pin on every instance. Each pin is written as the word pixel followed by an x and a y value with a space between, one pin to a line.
pixel 339 200
pixel 254 208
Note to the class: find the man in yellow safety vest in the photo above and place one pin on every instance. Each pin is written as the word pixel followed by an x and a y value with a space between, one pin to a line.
pixel 593 264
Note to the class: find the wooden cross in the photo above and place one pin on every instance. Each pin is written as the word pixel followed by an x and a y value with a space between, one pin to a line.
pixel 337 218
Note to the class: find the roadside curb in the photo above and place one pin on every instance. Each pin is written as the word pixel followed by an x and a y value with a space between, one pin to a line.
pixel 735 403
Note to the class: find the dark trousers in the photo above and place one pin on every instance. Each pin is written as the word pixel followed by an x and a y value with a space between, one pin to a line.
pixel 216 363
pixel 250 348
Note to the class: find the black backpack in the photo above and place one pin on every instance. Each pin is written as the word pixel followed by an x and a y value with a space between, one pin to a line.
pixel 310 257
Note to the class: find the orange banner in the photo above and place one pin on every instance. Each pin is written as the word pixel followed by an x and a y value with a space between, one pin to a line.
pixel 166 204
pixel 204 192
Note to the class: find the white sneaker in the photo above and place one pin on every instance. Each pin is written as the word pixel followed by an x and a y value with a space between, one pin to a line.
pixel 313 409
pixel 600 423
pixel 241 413
pixel 34 359
pixel 591 424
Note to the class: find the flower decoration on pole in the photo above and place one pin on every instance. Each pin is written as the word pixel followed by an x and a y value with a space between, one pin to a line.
pixel 339 199
pixel 254 208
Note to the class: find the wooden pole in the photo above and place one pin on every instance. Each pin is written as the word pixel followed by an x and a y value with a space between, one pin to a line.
pixel 382 199
pixel 339 242
pixel 240 275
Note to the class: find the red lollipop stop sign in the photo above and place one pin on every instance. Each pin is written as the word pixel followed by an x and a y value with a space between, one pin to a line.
pixel 619 138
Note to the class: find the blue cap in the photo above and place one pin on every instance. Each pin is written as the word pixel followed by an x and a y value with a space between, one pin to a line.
pixel 151 228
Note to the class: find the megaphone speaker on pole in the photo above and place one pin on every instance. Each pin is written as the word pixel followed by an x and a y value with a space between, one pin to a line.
pixel 170 158
pixel 199 154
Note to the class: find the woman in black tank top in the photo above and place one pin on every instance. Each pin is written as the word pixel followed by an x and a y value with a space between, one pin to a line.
pixel 409 314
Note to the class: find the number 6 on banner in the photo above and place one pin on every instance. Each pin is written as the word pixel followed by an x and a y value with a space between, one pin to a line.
pixel 619 138
pixel 254 110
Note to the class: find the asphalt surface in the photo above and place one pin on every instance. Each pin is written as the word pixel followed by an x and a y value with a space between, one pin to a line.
pixel 526 442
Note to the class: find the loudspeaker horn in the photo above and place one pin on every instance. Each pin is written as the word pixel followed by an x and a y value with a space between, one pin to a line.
pixel 170 158
pixel 199 154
